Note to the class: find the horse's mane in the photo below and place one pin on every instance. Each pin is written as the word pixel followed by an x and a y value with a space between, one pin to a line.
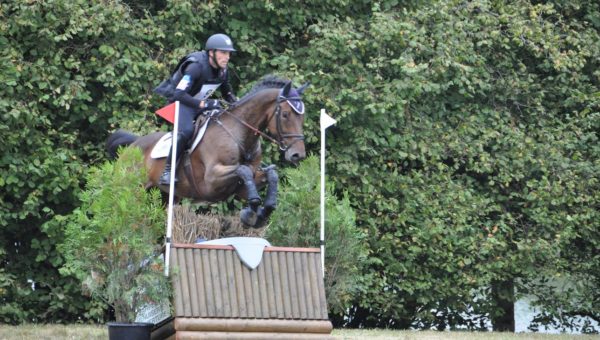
pixel 267 82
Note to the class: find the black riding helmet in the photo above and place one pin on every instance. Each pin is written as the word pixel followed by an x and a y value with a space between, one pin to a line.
pixel 219 41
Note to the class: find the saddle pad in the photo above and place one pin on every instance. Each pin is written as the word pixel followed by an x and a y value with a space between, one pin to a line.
pixel 162 147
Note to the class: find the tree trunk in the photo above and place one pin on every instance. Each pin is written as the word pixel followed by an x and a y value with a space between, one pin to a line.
pixel 503 294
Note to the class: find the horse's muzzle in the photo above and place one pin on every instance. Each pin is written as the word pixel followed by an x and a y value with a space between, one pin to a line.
pixel 295 154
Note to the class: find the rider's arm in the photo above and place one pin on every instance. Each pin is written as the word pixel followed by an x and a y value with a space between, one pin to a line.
pixel 191 75
pixel 226 89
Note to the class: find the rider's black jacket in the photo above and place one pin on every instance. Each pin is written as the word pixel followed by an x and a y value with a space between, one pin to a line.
pixel 197 70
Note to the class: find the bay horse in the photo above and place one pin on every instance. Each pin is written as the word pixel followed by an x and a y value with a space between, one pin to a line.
pixel 227 161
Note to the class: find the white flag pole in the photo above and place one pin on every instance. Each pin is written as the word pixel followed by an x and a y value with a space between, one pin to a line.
pixel 171 189
pixel 326 121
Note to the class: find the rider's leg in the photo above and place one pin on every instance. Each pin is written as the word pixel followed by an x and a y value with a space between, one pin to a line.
pixel 165 178
pixel 186 129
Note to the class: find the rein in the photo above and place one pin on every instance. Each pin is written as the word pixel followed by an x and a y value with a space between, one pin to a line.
pixel 280 136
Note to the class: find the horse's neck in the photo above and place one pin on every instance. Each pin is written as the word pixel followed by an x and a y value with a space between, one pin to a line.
pixel 251 115
pixel 257 112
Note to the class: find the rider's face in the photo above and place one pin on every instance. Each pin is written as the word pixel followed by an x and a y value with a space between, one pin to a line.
pixel 222 58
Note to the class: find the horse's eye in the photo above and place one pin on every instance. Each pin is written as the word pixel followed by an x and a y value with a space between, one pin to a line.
pixel 285 114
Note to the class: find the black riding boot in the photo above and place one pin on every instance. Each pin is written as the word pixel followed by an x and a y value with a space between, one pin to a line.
pixel 165 178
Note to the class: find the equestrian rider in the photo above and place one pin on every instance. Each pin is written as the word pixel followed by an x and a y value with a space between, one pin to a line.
pixel 194 80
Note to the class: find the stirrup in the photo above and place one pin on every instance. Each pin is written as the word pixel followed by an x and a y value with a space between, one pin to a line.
pixel 165 178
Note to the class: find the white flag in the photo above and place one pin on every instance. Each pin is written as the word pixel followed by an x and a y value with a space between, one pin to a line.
pixel 326 120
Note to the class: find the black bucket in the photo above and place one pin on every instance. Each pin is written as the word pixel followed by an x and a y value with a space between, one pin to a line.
pixel 129 331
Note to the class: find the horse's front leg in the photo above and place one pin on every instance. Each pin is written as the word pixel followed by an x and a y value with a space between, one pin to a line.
pixel 245 173
pixel 271 198
pixel 248 215
pixel 272 182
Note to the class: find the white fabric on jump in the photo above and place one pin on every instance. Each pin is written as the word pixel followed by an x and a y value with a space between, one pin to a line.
pixel 249 249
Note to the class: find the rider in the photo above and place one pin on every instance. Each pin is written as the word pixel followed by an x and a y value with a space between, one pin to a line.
pixel 194 80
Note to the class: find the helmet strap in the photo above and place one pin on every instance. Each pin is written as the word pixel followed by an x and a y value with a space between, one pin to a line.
pixel 214 59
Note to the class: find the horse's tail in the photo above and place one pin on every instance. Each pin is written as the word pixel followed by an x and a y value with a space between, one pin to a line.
pixel 117 139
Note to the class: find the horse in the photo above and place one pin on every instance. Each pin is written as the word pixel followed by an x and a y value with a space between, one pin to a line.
pixel 227 161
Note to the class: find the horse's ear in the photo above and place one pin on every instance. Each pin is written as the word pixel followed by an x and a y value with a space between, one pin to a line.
pixel 287 88
pixel 303 87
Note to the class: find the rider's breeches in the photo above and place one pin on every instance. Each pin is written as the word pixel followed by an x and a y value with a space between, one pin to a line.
pixel 186 121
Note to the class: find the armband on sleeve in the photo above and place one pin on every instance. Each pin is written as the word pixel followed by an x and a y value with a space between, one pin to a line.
pixel 184 83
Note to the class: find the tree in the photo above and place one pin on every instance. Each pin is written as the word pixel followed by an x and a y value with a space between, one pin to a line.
pixel 467 138
pixel 67 67
pixel 470 144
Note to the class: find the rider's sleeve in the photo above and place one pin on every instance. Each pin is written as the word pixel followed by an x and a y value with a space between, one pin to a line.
pixel 191 75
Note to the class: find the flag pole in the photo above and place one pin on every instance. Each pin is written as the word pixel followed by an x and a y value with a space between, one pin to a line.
pixel 171 189
pixel 326 121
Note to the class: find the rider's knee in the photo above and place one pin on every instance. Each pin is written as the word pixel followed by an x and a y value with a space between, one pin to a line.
pixel 186 132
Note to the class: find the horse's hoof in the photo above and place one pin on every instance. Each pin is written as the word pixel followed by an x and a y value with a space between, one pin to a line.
pixel 260 219
pixel 248 217
pixel 260 222
pixel 254 202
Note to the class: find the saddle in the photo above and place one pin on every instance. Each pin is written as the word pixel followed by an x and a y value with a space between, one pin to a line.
pixel 200 120
pixel 162 147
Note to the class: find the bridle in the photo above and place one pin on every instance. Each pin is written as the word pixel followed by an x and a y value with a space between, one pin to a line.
pixel 281 137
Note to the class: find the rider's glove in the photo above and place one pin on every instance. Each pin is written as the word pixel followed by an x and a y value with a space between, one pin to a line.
pixel 211 104
pixel 231 98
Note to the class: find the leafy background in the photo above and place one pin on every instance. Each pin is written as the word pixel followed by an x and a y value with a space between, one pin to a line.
pixel 467 140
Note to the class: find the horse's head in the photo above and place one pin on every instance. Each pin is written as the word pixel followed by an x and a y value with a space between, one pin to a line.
pixel 287 120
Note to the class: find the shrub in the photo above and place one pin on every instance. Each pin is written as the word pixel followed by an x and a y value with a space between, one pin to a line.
pixel 295 223
pixel 111 240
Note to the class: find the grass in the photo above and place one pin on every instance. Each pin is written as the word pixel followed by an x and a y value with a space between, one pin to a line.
pixel 54 332
pixel 93 332
pixel 381 334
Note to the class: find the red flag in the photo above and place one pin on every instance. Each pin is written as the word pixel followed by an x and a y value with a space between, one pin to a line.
pixel 168 113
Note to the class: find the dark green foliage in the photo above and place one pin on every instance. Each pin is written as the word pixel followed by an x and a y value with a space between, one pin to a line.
pixel 57 63
pixel 468 132
pixel 467 137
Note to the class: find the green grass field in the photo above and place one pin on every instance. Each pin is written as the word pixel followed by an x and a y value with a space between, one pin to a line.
pixel 92 332
pixel 380 334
